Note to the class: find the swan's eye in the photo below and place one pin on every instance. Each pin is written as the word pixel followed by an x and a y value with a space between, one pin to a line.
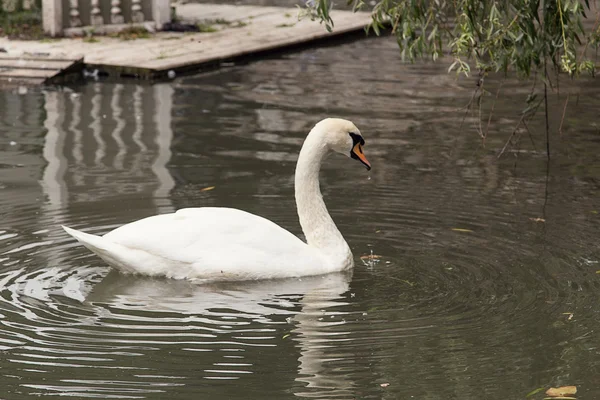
pixel 356 138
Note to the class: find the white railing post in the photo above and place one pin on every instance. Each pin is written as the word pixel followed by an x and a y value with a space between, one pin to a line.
pixel 74 19
pixel 95 14
pixel 161 12
pixel 9 5
pixel 116 17
pixel 137 15
pixel 52 17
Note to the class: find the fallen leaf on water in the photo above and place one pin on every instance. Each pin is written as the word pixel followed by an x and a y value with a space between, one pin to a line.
pixel 561 391
pixel 384 385
pixel 461 230
pixel 537 219
pixel 286 336
pixel 594 212
pixel 206 189
pixel 598 272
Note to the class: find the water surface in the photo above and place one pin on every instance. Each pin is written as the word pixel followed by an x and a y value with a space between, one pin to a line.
pixel 482 282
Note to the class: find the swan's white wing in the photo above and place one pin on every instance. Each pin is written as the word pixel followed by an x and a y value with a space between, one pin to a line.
pixel 214 243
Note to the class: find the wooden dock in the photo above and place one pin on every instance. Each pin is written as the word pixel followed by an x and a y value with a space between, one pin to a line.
pixel 36 68
pixel 230 32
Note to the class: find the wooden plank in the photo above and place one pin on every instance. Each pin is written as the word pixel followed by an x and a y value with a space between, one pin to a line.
pixel 34 64
pixel 39 56
pixel 36 67
pixel 27 73
pixel 75 46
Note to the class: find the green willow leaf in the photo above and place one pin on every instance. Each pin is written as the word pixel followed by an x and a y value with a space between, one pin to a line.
pixel 518 36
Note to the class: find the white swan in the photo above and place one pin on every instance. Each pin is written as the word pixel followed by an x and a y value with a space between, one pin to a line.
pixel 212 243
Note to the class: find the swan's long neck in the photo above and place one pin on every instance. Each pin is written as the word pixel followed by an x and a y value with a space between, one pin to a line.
pixel 317 225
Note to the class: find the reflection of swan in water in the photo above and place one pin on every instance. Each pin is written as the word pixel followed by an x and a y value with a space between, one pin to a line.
pixel 249 298
pixel 317 298
pixel 317 340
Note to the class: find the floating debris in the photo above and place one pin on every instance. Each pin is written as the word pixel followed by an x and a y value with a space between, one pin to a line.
pixel 561 392
pixel 570 315
pixel 461 230
pixel 370 260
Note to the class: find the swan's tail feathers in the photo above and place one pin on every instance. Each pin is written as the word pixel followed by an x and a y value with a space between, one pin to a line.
pixel 113 253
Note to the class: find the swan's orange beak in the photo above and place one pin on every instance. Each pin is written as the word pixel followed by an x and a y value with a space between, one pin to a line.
pixel 360 156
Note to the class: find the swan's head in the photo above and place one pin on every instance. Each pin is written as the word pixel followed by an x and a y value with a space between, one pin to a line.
pixel 342 136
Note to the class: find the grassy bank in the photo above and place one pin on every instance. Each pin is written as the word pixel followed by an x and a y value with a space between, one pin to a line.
pixel 25 25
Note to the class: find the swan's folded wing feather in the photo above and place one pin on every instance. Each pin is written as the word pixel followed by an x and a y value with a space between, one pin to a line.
pixel 205 235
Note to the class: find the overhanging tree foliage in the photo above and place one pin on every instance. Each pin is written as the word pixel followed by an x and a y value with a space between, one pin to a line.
pixel 518 35
pixel 525 37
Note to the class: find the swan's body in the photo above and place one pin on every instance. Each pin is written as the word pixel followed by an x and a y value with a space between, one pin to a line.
pixel 206 243
pixel 211 243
